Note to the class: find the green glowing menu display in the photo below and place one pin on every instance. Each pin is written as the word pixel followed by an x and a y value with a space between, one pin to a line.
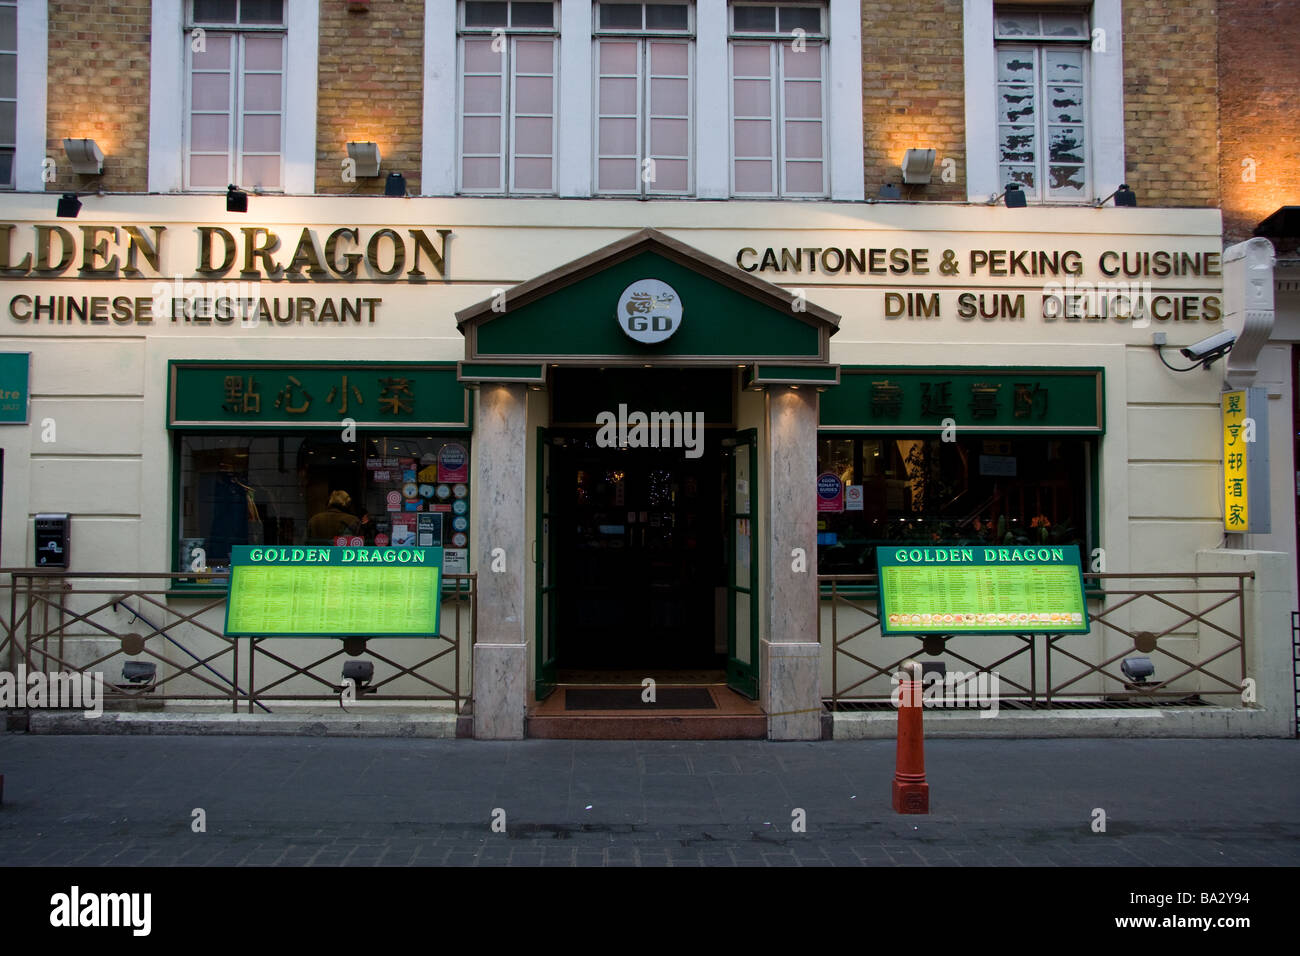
pixel 976 589
pixel 333 592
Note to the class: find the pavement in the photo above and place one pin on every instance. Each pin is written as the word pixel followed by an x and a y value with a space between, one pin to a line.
pixel 294 801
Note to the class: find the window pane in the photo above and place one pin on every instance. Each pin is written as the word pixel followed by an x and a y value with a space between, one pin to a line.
pixel 8 74
pixel 534 56
pixel 261 11
pixel 1015 24
pixel 262 172
pixel 209 133
pixel 1065 25
pixel 533 135
pixel 532 14
pixel 262 134
pixel 803 99
pixel 1063 66
pixel 805 63
pixel 1065 104
pixel 262 91
pixel 215 11
pixel 6 168
pixel 670 175
pixel 808 19
pixel 753 177
pixel 617 95
pixel 672 59
pixel 803 140
pixel 1065 144
pixel 1015 66
pixel 618 57
pixel 210 91
pixel 1024 175
pixel 617 137
pixel 481 14
pixel 482 94
pixel 208 172
pixel 620 16
pixel 670 97
pixel 669 137
pixel 1066 182
pixel 481 134
pixel 481 174
pixel 263 53
pixel 750 59
pixel 1016 144
pixel 1016 104
pixel 803 177
pixel 616 174
pixel 8 28
pixel 666 16
pixel 216 56
pixel 753 138
pixel 533 174
pixel 753 97
pixel 755 19
pixel 533 94
pixel 8 122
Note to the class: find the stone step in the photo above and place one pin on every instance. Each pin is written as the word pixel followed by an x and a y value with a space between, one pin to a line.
pixel 647 727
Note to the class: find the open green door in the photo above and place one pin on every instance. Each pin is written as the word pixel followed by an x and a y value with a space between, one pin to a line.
pixel 544 559
pixel 742 563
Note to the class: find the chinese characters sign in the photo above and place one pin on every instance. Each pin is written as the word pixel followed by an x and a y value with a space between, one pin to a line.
pixel 1019 400
pixel 278 394
pixel 1245 460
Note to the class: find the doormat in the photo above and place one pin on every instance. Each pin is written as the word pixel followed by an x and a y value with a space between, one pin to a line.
pixel 629 698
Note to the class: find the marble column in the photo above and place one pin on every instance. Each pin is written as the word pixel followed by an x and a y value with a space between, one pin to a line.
pixel 791 657
pixel 500 476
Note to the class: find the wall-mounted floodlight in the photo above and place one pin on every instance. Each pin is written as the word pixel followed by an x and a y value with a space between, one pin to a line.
pixel 236 199
pixel 1123 196
pixel 1013 196
pixel 395 185
pixel 69 206
pixel 890 191
pixel 366 156
pixel 917 166
pixel 1137 669
pixel 85 156
pixel 139 672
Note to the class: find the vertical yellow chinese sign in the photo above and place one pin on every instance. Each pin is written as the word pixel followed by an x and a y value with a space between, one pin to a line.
pixel 1236 498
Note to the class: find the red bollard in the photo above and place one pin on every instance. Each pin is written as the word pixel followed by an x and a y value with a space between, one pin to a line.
pixel 911 792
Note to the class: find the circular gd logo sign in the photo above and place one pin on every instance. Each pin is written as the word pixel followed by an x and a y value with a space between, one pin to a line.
pixel 649 311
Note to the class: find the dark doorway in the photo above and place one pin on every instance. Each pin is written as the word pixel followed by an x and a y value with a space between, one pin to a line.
pixel 640 554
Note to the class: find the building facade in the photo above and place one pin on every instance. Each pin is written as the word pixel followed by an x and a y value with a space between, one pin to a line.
pixel 659 316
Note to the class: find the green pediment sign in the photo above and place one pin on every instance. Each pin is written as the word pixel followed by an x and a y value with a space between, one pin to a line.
pixel 647 299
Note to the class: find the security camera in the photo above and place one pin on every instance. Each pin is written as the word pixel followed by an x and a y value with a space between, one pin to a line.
pixel 1207 350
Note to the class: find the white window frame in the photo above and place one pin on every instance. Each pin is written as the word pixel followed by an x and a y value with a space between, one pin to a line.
pixel 776 42
pixel 509 99
pixel 1104 99
pixel 643 38
pixel 168 92
pixel 1042 156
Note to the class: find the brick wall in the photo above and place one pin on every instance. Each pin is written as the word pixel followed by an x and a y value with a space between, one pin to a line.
pixel 1259 49
pixel 1170 102
pixel 913 91
pixel 370 89
pixel 99 89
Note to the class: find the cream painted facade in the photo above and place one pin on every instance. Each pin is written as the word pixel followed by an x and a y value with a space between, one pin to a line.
pixel 104 386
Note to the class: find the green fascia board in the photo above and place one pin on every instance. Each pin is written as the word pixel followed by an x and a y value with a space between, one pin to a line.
pixel 578 321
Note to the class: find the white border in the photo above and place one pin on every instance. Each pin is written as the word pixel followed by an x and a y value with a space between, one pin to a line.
pixel 847 172
pixel 712 100
pixel 33 57
pixel 441 104
pixel 574 177
pixel 1105 101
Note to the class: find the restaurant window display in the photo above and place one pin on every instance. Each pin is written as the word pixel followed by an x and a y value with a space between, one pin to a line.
pixel 983 489
pixel 313 488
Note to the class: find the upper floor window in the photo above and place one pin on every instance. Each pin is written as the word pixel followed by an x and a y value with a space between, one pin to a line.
pixel 234 116
pixel 507 97
pixel 1042 110
pixel 8 91
pixel 778 89
pixel 644 96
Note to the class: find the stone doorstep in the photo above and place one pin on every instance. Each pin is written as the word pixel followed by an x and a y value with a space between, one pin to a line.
pixel 304 725
pixel 1153 722
pixel 646 727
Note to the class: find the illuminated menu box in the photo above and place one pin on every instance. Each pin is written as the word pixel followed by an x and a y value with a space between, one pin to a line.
pixel 334 592
pixel 978 589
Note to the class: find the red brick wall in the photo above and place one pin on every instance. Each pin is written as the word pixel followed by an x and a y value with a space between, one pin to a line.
pixel 1259 77
pixel 371 88
pixel 99 89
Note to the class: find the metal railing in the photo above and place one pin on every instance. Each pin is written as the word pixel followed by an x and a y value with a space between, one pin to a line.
pixel 87 622
pixel 1192 626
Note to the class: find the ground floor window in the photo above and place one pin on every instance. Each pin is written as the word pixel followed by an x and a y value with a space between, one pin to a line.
pixel 287 488
pixel 904 489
